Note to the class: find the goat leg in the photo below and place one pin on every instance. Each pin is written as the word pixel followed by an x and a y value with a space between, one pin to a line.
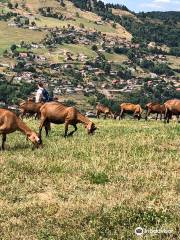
pixel 66 129
pixel 47 128
pixel 71 133
pixel 121 114
pixel 178 121
pixel 40 129
pixel 160 116
pixel 22 114
pixel 157 116
pixel 3 140
pixel 147 114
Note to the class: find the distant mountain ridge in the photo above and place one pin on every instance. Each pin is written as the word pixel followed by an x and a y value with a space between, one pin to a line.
pixel 175 15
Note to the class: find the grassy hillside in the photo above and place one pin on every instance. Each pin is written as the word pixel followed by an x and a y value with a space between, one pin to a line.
pixel 70 11
pixel 123 13
pixel 90 25
pixel 34 5
pixel 99 187
pixel 11 35
pixel 58 54
pixel 116 57
pixel 119 55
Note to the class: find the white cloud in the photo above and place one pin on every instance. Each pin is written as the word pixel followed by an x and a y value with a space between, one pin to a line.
pixel 161 4
pixel 151 5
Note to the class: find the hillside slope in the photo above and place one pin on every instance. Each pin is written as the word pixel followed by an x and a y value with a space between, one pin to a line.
pixel 70 11
pixel 103 52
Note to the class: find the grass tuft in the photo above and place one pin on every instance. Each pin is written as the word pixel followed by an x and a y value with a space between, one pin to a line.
pixel 97 178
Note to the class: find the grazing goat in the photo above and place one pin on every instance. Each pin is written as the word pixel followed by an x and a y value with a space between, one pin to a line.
pixel 155 108
pixel 103 109
pixel 58 113
pixel 130 108
pixel 31 108
pixel 172 107
pixel 10 123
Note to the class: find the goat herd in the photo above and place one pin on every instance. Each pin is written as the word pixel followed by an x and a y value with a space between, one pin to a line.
pixel 57 113
pixel 169 108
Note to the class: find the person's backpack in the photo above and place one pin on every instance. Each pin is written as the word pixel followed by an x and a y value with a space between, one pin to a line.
pixel 45 95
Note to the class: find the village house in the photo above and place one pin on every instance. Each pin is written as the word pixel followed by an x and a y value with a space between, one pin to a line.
pixel 99 22
pixel 40 58
pixel 113 73
pixel 115 82
pixel 79 90
pixel 99 72
pixel 23 54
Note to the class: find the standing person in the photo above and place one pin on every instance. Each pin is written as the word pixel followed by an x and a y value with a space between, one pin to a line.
pixel 42 94
pixel 39 93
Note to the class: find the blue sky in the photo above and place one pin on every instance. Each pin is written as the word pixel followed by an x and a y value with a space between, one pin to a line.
pixel 149 5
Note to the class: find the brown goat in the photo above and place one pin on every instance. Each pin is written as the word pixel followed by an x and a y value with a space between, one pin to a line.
pixel 10 123
pixel 103 109
pixel 58 113
pixel 172 107
pixel 130 108
pixel 31 108
pixel 155 108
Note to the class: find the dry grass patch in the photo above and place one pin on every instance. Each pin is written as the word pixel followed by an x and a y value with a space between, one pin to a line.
pixel 36 4
pixel 123 13
pixel 174 62
pixel 117 58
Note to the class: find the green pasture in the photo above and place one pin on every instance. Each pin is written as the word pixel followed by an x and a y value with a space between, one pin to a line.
pixel 92 187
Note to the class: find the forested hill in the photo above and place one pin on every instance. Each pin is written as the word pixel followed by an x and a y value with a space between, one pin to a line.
pixel 159 27
pixel 164 16
pixel 98 6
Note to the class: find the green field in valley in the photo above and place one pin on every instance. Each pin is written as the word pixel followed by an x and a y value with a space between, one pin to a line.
pixel 92 187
